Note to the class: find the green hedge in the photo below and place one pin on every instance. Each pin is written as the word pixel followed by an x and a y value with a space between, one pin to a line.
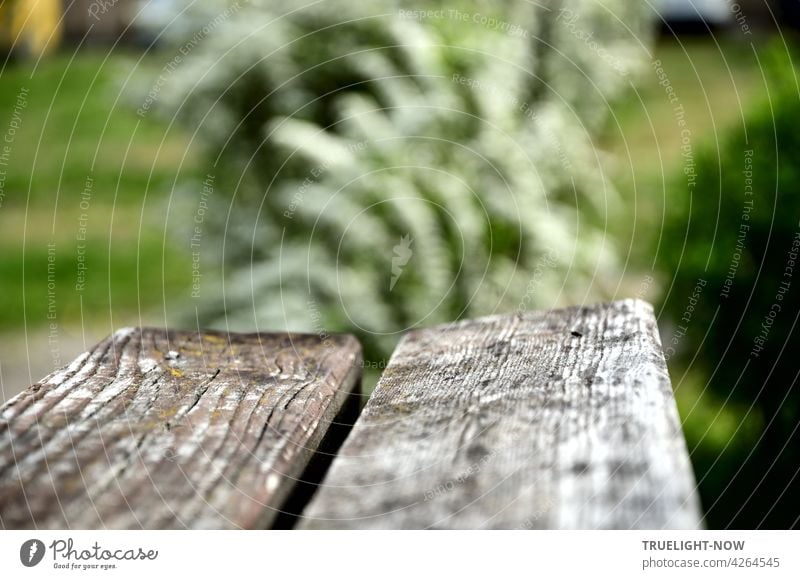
pixel 730 255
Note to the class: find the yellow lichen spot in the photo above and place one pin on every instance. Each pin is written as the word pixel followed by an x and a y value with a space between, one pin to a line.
pixel 72 485
pixel 167 413
pixel 175 372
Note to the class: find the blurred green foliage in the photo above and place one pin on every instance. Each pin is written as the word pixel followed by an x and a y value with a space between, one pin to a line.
pixel 737 230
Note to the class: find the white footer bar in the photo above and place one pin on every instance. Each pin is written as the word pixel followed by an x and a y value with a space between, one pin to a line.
pixel 406 554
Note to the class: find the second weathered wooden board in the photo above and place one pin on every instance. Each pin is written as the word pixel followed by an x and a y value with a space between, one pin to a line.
pixel 562 419
pixel 162 429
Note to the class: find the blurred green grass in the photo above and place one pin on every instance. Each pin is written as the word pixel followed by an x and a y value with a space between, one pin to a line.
pixel 76 125
pixel 715 80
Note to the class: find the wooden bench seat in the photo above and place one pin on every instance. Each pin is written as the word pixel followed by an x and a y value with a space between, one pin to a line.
pixel 562 419
pixel 559 419
pixel 156 429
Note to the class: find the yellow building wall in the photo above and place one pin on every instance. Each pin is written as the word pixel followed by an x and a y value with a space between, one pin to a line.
pixel 30 27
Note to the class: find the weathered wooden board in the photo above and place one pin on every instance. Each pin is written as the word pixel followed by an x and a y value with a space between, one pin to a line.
pixel 562 419
pixel 165 429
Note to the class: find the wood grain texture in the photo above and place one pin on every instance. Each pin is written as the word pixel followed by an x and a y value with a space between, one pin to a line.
pixel 165 429
pixel 562 419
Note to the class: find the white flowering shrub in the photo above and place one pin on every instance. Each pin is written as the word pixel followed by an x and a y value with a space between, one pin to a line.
pixel 382 165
